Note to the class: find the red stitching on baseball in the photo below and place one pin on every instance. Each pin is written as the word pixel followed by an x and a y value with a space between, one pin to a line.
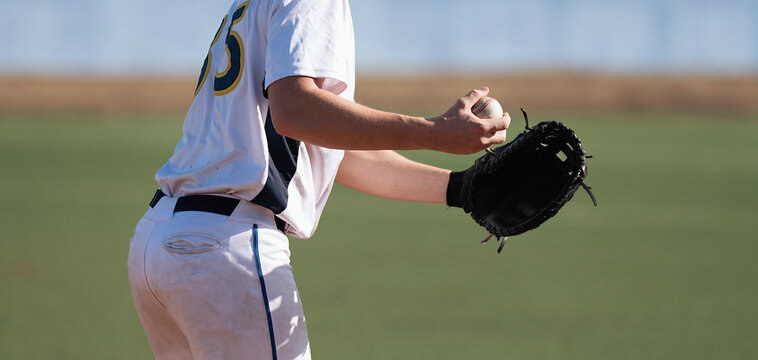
pixel 478 109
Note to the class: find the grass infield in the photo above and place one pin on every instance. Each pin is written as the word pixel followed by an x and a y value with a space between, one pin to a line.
pixel 664 268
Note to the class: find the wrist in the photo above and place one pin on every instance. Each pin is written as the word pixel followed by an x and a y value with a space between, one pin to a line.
pixel 454 189
pixel 425 133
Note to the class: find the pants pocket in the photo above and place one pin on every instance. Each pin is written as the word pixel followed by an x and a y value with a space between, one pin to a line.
pixel 190 243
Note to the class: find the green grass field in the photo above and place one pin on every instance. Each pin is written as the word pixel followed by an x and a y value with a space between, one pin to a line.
pixel 664 268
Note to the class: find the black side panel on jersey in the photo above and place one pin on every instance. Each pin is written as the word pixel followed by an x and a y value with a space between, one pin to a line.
pixel 281 168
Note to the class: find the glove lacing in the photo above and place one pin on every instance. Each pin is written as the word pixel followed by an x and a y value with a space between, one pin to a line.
pixel 584 186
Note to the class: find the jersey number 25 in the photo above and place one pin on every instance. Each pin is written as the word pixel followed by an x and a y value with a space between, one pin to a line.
pixel 225 81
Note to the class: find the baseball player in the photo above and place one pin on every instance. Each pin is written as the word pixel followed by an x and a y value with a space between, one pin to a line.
pixel 272 125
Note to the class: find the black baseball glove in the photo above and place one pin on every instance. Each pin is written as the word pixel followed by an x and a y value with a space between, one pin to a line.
pixel 518 186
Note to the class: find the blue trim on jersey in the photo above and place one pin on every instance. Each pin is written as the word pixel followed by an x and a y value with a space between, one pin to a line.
pixel 263 291
pixel 282 164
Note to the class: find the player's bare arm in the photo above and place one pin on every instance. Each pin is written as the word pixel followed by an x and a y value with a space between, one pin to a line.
pixel 390 175
pixel 302 110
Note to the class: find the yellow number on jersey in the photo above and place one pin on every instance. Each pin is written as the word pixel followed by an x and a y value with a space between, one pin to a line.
pixel 225 81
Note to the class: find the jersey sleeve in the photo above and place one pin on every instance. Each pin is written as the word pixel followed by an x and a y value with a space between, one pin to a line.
pixel 310 38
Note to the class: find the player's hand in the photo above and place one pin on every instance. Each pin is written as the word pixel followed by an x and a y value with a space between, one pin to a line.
pixel 459 131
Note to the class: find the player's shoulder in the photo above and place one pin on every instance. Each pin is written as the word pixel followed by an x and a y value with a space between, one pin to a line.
pixel 318 10
pixel 309 3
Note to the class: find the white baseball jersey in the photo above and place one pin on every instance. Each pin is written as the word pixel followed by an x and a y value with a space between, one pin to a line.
pixel 229 146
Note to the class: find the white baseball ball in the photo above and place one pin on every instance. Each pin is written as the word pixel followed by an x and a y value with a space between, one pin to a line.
pixel 487 108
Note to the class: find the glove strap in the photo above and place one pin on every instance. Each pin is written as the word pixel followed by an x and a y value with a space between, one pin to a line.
pixel 454 187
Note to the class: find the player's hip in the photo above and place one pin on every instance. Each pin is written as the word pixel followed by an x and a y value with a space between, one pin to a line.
pixel 171 248
pixel 217 277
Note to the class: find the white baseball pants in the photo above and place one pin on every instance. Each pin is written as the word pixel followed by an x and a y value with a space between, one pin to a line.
pixel 209 286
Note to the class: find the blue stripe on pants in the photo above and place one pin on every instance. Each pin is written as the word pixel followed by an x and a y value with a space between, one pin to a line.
pixel 263 290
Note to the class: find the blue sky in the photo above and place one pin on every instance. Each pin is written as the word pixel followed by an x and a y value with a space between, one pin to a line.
pixel 171 36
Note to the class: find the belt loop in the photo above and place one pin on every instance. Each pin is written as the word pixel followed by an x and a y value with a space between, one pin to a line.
pixel 280 224
pixel 161 207
pixel 157 197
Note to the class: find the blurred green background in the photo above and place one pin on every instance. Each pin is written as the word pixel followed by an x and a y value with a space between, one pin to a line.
pixel 664 268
